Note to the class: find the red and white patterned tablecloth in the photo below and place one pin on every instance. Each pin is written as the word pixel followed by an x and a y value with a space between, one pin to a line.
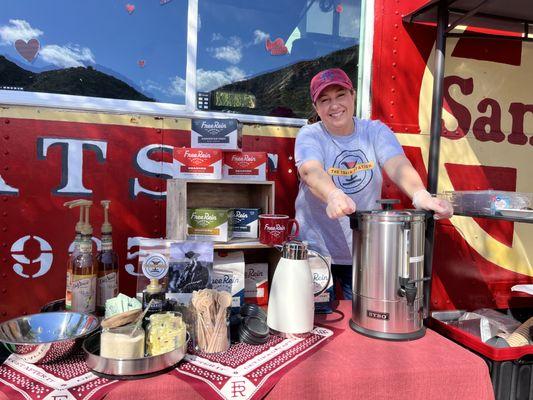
pixel 246 371
pixel 250 371
pixel 63 380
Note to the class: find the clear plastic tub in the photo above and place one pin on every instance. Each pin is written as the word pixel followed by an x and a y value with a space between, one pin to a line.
pixel 488 202
pixel 212 310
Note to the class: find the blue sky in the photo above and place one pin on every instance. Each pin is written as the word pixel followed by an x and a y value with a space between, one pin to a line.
pixel 102 33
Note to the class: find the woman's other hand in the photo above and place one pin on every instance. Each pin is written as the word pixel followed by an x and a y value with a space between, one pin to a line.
pixel 339 204
pixel 422 199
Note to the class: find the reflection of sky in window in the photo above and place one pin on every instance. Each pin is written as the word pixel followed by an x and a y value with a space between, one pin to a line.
pixel 231 38
pixel 232 35
pixel 102 34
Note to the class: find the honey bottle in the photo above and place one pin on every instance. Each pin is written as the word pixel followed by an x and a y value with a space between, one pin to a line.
pixel 107 258
pixel 84 268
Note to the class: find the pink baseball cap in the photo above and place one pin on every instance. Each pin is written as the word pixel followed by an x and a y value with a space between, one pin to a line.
pixel 328 77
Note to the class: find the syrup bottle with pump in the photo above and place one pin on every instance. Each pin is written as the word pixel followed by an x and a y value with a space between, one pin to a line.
pixel 107 258
pixel 84 268
pixel 75 248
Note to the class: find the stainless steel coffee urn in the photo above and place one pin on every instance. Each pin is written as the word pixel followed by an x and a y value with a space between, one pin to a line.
pixel 388 273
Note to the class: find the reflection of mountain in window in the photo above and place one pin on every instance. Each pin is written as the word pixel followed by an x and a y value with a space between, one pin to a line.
pixel 81 81
pixel 236 51
pixel 138 55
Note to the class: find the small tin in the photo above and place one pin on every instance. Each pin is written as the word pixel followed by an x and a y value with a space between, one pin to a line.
pixel 253 310
pixel 254 330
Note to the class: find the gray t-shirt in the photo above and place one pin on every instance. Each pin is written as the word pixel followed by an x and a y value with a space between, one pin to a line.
pixel 354 163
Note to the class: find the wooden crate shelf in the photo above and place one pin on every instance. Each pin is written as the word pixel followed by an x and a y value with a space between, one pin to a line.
pixel 241 244
pixel 183 194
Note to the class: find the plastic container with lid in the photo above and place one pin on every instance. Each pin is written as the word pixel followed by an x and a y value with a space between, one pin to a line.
pixel 487 202
pixel 165 332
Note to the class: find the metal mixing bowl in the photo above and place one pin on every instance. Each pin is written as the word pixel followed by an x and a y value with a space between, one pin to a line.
pixel 47 337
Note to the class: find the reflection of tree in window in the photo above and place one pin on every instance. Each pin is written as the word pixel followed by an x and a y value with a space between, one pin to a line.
pixel 236 100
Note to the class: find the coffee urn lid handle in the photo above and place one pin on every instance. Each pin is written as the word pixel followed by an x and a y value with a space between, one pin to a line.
pixel 354 221
pixel 387 203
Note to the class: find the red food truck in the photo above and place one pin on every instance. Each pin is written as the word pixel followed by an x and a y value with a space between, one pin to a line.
pixel 95 97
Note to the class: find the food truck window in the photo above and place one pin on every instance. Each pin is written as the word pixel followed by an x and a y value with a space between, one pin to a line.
pixel 100 48
pixel 257 57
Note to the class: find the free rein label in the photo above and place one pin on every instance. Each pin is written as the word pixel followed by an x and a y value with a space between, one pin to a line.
pixel 198 163
pixel 212 223
pixel 245 222
pixel 214 130
pixel 245 165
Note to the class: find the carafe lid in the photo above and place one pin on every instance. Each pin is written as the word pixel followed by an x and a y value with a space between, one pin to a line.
pixel 294 250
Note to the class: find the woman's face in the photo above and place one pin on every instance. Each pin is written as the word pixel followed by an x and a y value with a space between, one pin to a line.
pixel 335 106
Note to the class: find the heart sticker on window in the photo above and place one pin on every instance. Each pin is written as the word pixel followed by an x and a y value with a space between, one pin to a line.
pixel 141 63
pixel 130 8
pixel 276 47
pixel 28 50
pixel 339 8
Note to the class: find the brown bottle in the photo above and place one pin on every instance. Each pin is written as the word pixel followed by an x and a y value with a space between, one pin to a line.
pixel 84 271
pixel 107 283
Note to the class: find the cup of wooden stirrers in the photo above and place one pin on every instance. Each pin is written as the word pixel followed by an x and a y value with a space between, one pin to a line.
pixel 211 309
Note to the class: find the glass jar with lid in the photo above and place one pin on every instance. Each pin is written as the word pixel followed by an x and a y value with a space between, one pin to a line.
pixel 165 332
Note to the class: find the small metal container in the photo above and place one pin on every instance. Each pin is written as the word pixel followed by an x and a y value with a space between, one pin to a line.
pixel 129 367
pixel 47 337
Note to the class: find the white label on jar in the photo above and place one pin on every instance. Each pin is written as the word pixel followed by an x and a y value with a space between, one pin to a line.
pixel 84 293
pixel 155 266
pixel 107 288
pixel 416 259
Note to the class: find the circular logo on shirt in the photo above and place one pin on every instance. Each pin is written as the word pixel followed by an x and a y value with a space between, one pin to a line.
pixel 352 171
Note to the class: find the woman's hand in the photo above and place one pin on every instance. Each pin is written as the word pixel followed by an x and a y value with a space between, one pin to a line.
pixel 422 199
pixel 339 204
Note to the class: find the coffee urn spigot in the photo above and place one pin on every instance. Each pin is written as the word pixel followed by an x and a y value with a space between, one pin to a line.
pixel 408 289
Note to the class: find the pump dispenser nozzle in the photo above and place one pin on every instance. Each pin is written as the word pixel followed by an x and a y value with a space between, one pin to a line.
pixel 107 264
pixel 80 204
pixel 106 226
pixel 87 228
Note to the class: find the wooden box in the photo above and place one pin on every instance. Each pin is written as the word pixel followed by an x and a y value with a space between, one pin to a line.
pixel 183 194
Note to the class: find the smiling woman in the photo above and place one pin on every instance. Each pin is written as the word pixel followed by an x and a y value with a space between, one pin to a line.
pixel 99 49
